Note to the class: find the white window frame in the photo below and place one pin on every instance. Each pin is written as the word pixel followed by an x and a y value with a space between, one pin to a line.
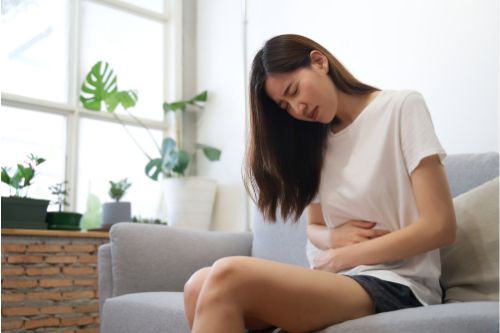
pixel 74 113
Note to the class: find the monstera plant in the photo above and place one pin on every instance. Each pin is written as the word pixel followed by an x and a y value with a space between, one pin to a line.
pixel 100 92
pixel 101 87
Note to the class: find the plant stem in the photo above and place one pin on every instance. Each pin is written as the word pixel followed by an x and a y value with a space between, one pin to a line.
pixel 145 127
pixel 131 136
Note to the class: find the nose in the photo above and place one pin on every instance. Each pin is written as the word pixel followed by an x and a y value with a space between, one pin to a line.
pixel 300 109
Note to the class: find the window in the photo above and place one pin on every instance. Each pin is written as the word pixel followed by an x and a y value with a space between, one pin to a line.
pixel 49 47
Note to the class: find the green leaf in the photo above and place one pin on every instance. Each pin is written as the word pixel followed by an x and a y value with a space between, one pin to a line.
pixel 153 168
pixel 169 153
pixel 181 105
pixel 99 84
pixel 126 98
pixel 26 173
pixel 213 154
pixel 5 175
pixel 182 162
pixel 202 97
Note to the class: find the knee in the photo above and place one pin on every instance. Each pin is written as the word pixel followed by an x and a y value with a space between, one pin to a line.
pixel 193 286
pixel 226 276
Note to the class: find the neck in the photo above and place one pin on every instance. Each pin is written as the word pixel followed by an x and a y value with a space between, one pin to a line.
pixel 350 106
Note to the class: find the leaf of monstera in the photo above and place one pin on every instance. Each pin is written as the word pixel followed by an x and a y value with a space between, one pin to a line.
pixel 153 168
pixel 126 98
pixel 213 154
pixel 99 84
pixel 202 97
pixel 174 106
pixel 182 162
pixel 169 153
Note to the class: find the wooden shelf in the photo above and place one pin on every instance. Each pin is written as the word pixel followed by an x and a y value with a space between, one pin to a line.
pixel 55 233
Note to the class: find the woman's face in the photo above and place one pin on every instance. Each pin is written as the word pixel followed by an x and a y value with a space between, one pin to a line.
pixel 307 93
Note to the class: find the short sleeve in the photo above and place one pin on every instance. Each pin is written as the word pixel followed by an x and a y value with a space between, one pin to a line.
pixel 418 138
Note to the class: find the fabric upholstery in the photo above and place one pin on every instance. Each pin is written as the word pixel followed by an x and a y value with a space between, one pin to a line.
pixel 105 274
pixel 155 312
pixel 466 171
pixel 470 265
pixel 149 312
pixel 443 318
pixel 168 255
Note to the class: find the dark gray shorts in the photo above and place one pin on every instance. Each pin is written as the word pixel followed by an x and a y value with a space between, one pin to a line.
pixel 387 296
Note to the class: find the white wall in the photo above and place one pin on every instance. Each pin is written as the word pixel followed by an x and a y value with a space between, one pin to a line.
pixel 222 124
pixel 446 49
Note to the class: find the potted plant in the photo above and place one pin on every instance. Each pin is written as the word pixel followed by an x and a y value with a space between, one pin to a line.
pixel 117 211
pixel 18 210
pixel 62 220
pixel 185 201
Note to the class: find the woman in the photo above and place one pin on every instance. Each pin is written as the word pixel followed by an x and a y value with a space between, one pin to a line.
pixel 357 158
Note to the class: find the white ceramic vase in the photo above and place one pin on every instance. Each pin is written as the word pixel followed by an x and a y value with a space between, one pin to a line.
pixel 187 202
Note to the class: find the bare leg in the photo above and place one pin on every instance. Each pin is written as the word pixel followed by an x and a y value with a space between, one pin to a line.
pixel 192 290
pixel 294 298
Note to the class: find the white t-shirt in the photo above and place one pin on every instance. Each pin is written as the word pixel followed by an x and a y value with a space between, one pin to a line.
pixel 366 176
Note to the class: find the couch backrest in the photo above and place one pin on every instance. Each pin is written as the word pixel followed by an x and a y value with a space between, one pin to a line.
pixel 286 242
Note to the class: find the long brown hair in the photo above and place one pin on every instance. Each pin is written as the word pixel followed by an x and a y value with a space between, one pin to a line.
pixel 284 155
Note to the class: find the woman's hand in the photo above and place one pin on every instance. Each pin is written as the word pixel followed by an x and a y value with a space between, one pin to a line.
pixel 352 232
pixel 332 260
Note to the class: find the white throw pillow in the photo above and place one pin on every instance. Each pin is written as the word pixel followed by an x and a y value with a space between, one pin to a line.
pixel 470 265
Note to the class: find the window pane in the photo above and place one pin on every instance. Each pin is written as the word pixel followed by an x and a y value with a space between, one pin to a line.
pixel 133 46
pixel 23 132
pixel 35 48
pixel 154 5
pixel 108 153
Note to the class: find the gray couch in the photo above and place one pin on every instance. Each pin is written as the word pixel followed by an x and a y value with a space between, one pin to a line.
pixel 143 269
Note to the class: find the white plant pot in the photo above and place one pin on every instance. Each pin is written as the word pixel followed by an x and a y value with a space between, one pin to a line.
pixel 187 202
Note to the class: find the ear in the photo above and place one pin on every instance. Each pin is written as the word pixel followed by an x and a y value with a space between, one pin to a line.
pixel 319 60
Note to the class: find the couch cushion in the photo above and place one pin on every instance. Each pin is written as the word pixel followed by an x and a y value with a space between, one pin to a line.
pixel 150 312
pixel 470 265
pixel 443 318
pixel 144 255
pixel 466 171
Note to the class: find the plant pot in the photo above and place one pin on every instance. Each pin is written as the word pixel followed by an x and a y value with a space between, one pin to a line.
pixel 24 213
pixel 114 212
pixel 63 220
pixel 188 202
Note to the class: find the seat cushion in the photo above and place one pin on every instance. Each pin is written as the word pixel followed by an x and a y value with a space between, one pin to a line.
pixel 153 312
pixel 443 318
pixel 149 312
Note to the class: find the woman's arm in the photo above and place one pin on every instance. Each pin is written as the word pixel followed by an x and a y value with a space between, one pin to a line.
pixel 435 227
pixel 351 232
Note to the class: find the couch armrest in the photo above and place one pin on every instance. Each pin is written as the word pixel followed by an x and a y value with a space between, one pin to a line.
pixel 105 274
pixel 160 258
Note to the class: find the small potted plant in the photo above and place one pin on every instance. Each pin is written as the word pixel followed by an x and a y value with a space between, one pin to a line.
pixel 18 210
pixel 62 220
pixel 117 211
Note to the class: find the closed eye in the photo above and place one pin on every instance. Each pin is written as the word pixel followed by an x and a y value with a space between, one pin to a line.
pixel 284 106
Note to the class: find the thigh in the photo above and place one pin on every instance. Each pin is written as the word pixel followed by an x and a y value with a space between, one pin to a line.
pixel 294 298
